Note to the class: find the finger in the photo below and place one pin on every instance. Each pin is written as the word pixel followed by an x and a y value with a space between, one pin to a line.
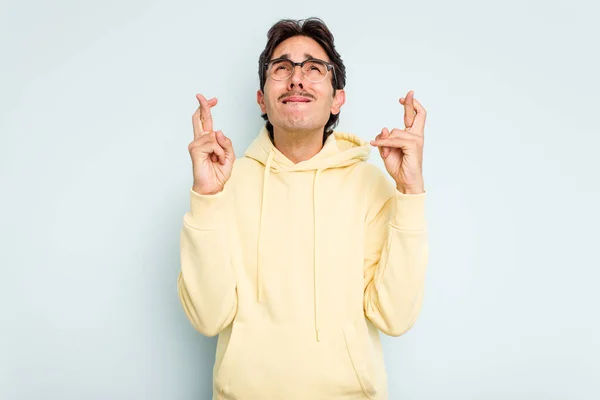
pixel 196 117
pixel 409 110
pixel 394 133
pixel 419 124
pixel 379 148
pixel 212 102
pixel 385 133
pixel 197 124
pixel 397 132
pixel 214 151
pixel 205 114
pixel 393 142
pixel 380 134
pixel 226 144
pixel 214 148
pixel 385 151
pixel 220 153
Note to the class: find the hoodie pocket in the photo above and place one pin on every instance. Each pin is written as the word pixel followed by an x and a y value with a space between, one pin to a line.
pixel 222 380
pixel 267 362
pixel 361 362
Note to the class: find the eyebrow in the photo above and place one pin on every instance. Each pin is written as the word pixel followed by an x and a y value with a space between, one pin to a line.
pixel 287 56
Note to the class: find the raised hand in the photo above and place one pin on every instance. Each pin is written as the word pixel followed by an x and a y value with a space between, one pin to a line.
pixel 211 152
pixel 402 149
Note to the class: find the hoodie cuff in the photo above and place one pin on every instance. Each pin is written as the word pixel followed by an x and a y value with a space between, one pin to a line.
pixel 410 211
pixel 206 210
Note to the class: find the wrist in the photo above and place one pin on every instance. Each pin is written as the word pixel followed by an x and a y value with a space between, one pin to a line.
pixel 416 189
pixel 204 192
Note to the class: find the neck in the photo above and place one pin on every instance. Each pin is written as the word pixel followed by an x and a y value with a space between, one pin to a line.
pixel 298 146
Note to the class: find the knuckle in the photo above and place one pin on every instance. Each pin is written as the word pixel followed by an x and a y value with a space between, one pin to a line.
pixel 202 140
pixel 193 146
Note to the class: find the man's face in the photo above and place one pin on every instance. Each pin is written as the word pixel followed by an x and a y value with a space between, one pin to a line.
pixel 296 104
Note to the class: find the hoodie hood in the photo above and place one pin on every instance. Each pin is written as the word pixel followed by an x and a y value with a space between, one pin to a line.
pixel 339 150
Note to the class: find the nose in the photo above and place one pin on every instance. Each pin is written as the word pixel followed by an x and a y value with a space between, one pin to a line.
pixel 296 80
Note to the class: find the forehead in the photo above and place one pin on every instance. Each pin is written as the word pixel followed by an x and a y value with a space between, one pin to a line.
pixel 297 48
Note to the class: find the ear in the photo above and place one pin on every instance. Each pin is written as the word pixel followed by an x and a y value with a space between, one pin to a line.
pixel 260 99
pixel 338 101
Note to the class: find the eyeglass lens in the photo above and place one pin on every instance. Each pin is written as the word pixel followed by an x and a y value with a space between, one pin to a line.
pixel 314 71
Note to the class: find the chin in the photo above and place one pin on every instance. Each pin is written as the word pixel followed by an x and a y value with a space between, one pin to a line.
pixel 297 123
pixel 299 126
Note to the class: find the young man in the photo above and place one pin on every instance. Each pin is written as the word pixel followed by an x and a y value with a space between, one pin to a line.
pixel 300 252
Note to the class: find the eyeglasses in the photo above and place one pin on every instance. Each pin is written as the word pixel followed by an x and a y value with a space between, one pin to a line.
pixel 313 70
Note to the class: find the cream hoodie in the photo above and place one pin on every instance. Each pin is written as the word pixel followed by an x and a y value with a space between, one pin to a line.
pixel 297 266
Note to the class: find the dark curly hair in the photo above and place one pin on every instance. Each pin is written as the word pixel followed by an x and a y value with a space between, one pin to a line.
pixel 315 29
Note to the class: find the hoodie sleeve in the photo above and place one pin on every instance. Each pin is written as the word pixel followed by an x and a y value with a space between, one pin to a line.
pixel 206 283
pixel 396 256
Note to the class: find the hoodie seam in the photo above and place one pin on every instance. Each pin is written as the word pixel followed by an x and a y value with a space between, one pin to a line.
pixel 401 229
pixel 199 229
pixel 387 248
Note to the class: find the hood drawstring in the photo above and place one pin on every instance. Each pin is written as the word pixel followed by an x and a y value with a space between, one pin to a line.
pixel 316 260
pixel 339 150
pixel 263 201
pixel 263 207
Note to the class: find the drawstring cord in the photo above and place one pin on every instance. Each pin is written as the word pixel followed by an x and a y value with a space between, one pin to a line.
pixel 259 271
pixel 260 224
pixel 315 261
